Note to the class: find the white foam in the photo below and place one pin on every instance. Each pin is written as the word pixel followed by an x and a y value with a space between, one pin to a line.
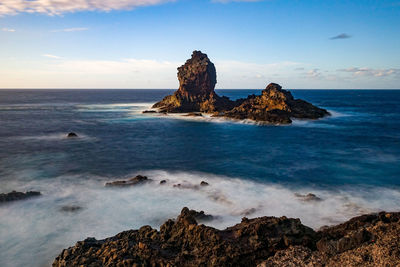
pixel 34 231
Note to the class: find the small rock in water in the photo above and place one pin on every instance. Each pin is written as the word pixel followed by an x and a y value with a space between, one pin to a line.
pixel 194 114
pixel 72 135
pixel 139 179
pixel 149 111
pixel 70 208
pixel 14 195
pixel 308 197
pixel 203 183
pixel 163 181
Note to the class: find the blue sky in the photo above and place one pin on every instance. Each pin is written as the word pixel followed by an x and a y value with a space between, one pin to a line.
pixel 140 43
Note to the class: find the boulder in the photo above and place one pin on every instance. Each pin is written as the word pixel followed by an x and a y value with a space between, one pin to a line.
pixel 139 179
pixel 14 195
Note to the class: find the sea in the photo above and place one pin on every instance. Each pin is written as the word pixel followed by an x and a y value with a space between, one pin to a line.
pixel 350 160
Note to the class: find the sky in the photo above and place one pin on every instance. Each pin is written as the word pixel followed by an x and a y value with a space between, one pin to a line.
pixel 308 44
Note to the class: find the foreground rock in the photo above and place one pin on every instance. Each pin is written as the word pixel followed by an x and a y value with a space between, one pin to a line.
pixel 369 240
pixel 197 79
pixel 14 195
pixel 139 179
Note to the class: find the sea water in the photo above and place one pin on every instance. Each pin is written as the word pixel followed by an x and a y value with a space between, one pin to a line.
pixel 351 160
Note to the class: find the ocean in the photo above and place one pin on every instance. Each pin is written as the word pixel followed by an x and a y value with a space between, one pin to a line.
pixel 351 160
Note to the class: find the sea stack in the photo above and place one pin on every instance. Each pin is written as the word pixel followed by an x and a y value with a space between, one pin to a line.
pixel 197 79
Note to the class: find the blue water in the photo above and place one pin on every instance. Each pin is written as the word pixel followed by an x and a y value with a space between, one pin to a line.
pixel 351 159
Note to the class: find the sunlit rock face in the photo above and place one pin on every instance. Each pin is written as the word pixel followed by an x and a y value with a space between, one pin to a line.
pixel 197 79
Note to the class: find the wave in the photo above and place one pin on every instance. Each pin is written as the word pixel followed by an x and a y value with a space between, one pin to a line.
pixel 39 225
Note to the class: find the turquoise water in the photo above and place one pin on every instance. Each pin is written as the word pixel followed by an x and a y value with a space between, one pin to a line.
pixel 350 159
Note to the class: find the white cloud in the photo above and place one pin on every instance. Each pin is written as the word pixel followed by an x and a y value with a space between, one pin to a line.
pixel 369 72
pixel 71 30
pixel 57 7
pixel 51 56
pixel 8 30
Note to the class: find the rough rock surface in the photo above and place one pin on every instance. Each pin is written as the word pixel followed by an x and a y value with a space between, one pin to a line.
pixel 14 195
pixel 185 243
pixel 197 79
pixel 274 105
pixel 139 179
pixel 368 240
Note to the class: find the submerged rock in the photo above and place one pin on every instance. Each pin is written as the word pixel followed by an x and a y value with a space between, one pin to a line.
pixel 70 208
pixel 139 179
pixel 72 135
pixel 308 197
pixel 14 195
pixel 197 79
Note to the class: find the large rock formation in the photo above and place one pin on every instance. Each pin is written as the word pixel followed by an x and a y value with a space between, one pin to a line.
pixel 369 240
pixel 274 105
pixel 197 79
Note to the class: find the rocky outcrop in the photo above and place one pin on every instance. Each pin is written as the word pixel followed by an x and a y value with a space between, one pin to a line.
pixel 183 242
pixel 72 135
pixel 274 105
pixel 197 79
pixel 139 179
pixel 369 240
pixel 14 195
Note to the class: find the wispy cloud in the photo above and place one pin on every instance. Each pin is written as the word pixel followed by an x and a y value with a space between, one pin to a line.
pixel 228 1
pixel 71 30
pixel 51 56
pixel 362 72
pixel 341 36
pixel 8 30
pixel 57 7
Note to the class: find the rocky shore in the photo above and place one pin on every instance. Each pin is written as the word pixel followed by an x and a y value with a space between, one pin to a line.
pixel 197 80
pixel 14 196
pixel 368 240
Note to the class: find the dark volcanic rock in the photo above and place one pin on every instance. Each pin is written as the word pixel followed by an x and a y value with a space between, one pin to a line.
pixel 14 195
pixel 149 111
pixel 70 208
pixel 182 242
pixel 197 79
pixel 203 183
pixel 274 105
pixel 139 179
pixel 71 135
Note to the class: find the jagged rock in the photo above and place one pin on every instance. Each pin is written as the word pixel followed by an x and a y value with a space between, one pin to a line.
pixel 72 135
pixel 367 240
pixel 274 105
pixel 185 243
pixel 14 195
pixel 139 179
pixel 197 79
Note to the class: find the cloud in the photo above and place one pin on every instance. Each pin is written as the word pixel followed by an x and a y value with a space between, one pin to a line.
pixel 57 7
pixel 8 30
pixel 341 36
pixel 51 56
pixel 71 30
pixel 369 72
pixel 228 1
